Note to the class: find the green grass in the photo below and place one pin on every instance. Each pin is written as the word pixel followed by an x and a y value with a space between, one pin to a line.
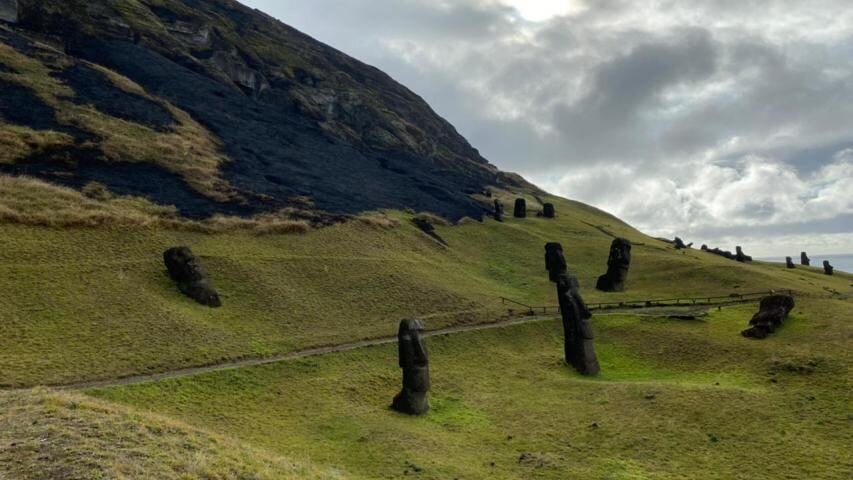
pixel 94 303
pixel 677 399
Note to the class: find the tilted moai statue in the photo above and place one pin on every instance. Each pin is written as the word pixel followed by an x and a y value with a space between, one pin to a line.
pixel 772 311
pixel 520 208
pixel 742 257
pixel 805 260
pixel 499 211
pixel 789 262
pixel 548 210
pixel 578 344
pixel 414 361
pixel 617 267
pixel 555 262
pixel 679 244
pixel 827 268
pixel 185 270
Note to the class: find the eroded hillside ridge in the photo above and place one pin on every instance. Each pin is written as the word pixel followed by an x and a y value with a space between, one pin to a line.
pixel 291 117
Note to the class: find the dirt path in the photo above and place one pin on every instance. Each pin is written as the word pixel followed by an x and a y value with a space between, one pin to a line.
pixel 311 352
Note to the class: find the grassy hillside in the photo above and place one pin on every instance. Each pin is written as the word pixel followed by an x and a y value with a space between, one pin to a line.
pixel 58 435
pixel 93 303
pixel 677 399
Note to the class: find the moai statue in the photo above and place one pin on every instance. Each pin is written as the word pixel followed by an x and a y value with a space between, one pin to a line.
pixel 520 208
pixel 617 267
pixel 805 260
pixel 772 311
pixel 704 247
pixel 789 262
pixel 499 211
pixel 548 210
pixel 185 270
pixel 827 268
pixel 742 257
pixel 414 361
pixel 578 346
pixel 555 262
pixel 679 244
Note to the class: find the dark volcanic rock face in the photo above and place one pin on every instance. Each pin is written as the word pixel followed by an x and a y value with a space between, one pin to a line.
pixel 293 116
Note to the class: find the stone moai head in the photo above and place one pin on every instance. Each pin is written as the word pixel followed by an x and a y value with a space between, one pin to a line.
pixel 827 268
pixel 555 262
pixel 548 210
pixel 182 265
pixel 520 208
pixel 789 262
pixel 499 211
pixel 620 254
pixel 412 349
pixel 414 361
pixel 804 259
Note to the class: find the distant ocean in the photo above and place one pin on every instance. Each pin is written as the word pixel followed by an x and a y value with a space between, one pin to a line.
pixel 840 262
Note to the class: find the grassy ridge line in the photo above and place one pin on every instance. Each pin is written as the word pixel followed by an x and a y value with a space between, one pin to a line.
pixel 677 399
pixel 48 434
pixel 112 312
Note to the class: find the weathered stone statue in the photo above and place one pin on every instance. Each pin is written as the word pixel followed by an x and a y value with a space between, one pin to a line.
pixel 742 257
pixel 772 311
pixel 805 260
pixel 555 262
pixel 185 270
pixel 520 208
pixel 789 262
pixel 679 244
pixel 617 267
pixel 9 11
pixel 578 344
pixel 548 210
pixel 499 211
pixel 414 361
pixel 827 268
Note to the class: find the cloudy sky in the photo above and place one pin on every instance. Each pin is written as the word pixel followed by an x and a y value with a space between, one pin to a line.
pixel 721 121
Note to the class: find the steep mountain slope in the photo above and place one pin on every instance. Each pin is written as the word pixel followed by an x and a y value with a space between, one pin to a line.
pixel 214 107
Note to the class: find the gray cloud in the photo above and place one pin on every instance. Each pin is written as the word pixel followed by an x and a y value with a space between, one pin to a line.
pixel 713 118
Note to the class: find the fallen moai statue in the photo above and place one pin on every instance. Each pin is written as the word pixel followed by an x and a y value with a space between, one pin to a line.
pixel 789 262
pixel 578 346
pixel 742 257
pixel 772 311
pixel 827 268
pixel 805 260
pixel 720 253
pixel 414 360
pixel 555 262
pixel 499 211
pixel 548 210
pixel 618 264
pixel 185 270
pixel 520 208
pixel 680 245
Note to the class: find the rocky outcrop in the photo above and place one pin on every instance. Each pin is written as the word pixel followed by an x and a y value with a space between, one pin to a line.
pixel 9 11
pixel 548 210
pixel 742 257
pixel 789 262
pixel 805 260
pixel 827 268
pixel 520 210
pixel 414 361
pixel 618 264
pixel 555 262
pixel 185 270
pixel 578 346
pixel 772 311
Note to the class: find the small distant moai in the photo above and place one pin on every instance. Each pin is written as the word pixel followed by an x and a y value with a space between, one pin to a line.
pixel 548 210
pixel 617 267
pixel 805 260
pixel 578 346
pixel 772 311
pixel 185 270
pixel 789 262
pixel 679 244
pixel 414 361
pixel 499 211
pixel 555 262
pixel 742 257
pixel 520 208
pixel 827 268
